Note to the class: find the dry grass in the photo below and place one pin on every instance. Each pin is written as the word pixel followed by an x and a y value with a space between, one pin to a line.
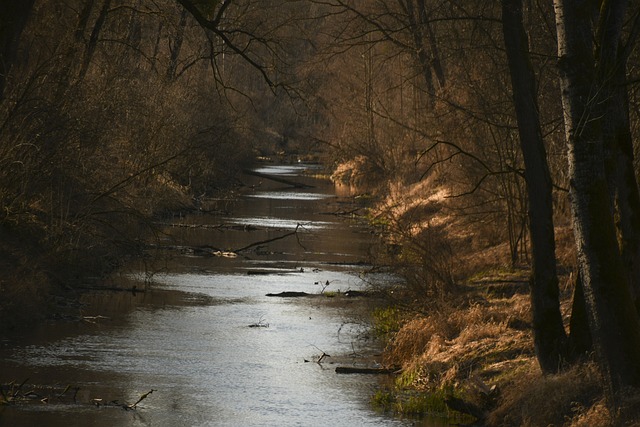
pixel 476 339
pixel 564 399
pixel 455 344
pixel 488 346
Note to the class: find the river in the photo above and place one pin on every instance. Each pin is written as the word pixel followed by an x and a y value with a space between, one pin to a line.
pixel 204 335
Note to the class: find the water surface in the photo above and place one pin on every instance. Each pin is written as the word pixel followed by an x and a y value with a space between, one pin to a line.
pixel 188 337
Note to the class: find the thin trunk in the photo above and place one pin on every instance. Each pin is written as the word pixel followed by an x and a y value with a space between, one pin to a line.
pixel 436 63
pixel 177 45
pixel 418 41
pixel 93 39
pixel 13 19
pixel 83 19
pixel 549 334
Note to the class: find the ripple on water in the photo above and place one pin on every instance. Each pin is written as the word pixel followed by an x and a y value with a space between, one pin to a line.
pixel 289 195
pixel 271 222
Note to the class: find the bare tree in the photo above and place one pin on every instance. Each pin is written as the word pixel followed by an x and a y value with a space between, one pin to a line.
pixel 549 334
pixel 613 319
pixel 13 18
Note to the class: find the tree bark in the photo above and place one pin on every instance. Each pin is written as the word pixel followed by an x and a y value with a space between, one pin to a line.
pixel 176 46
pixel 611 78
pixel 13 18
pixel 93 39
pixel 83 19
pixel 549 335
pixel 613 321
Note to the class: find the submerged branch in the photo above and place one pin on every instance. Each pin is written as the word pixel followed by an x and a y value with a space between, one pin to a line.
pixel 262 242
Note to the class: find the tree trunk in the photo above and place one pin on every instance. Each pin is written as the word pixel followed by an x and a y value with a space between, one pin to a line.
pixel 549 335
pixel 428 32
pixel 420 53
pixel 13 18
pixel 579 335
pixel 613 321
pixel 83 19
pixel 93 39
pixel 619 153
pixel 176 46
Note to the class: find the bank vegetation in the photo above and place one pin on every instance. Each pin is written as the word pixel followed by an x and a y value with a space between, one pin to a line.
pixel 115 114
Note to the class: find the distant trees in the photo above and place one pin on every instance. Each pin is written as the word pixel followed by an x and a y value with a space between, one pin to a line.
pixel 112 112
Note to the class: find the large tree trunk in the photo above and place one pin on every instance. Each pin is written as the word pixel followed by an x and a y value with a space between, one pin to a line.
pixel 549 334
pixel 613 321
pixel 619 154
pixel 13 18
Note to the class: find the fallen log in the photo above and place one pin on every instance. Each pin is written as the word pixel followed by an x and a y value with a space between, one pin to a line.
pixel 290 294
pixel 262 242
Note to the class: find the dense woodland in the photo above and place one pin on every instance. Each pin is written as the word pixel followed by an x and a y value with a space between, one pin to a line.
pixel 492 134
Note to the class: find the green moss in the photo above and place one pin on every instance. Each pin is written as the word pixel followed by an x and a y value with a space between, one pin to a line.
pixel 383 400
pixel 331 294
pixel 417 404
pixel 386 321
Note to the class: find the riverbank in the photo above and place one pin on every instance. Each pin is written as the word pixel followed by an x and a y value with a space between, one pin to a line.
pixel 460 327
pixel 45 265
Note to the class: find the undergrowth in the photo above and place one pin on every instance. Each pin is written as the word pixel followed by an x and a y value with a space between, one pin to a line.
pixel 459 331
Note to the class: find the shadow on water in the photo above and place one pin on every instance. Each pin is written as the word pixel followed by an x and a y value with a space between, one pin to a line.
pixel 216 350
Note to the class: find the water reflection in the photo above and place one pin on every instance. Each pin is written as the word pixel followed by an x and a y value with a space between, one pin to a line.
pixel 289 195
pixel 281 223
pixel 188 336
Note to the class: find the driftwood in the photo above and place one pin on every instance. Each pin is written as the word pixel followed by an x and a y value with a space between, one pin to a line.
pixel 212 250
pixel 262 242
pixel 277 179
pixel 133 289
pixel 13 395
pixel 259 324
pixel 353 370
pixel 290 294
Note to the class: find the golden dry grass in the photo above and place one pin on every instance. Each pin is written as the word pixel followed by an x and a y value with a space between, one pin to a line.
pixel 535 400
pixel 482 347
pixel 472 334
pixel 454 344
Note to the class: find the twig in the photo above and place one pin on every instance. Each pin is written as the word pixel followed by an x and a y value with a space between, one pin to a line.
pixel 292 233
pixel 19 387
pixel 325 286
pixel 322 357
pixel 260 324
pixel 144 396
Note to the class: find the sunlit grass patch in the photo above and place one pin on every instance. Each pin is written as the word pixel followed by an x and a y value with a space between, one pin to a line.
pixel 387 321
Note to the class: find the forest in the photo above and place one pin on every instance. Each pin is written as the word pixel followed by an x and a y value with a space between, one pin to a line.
pixel 497 141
